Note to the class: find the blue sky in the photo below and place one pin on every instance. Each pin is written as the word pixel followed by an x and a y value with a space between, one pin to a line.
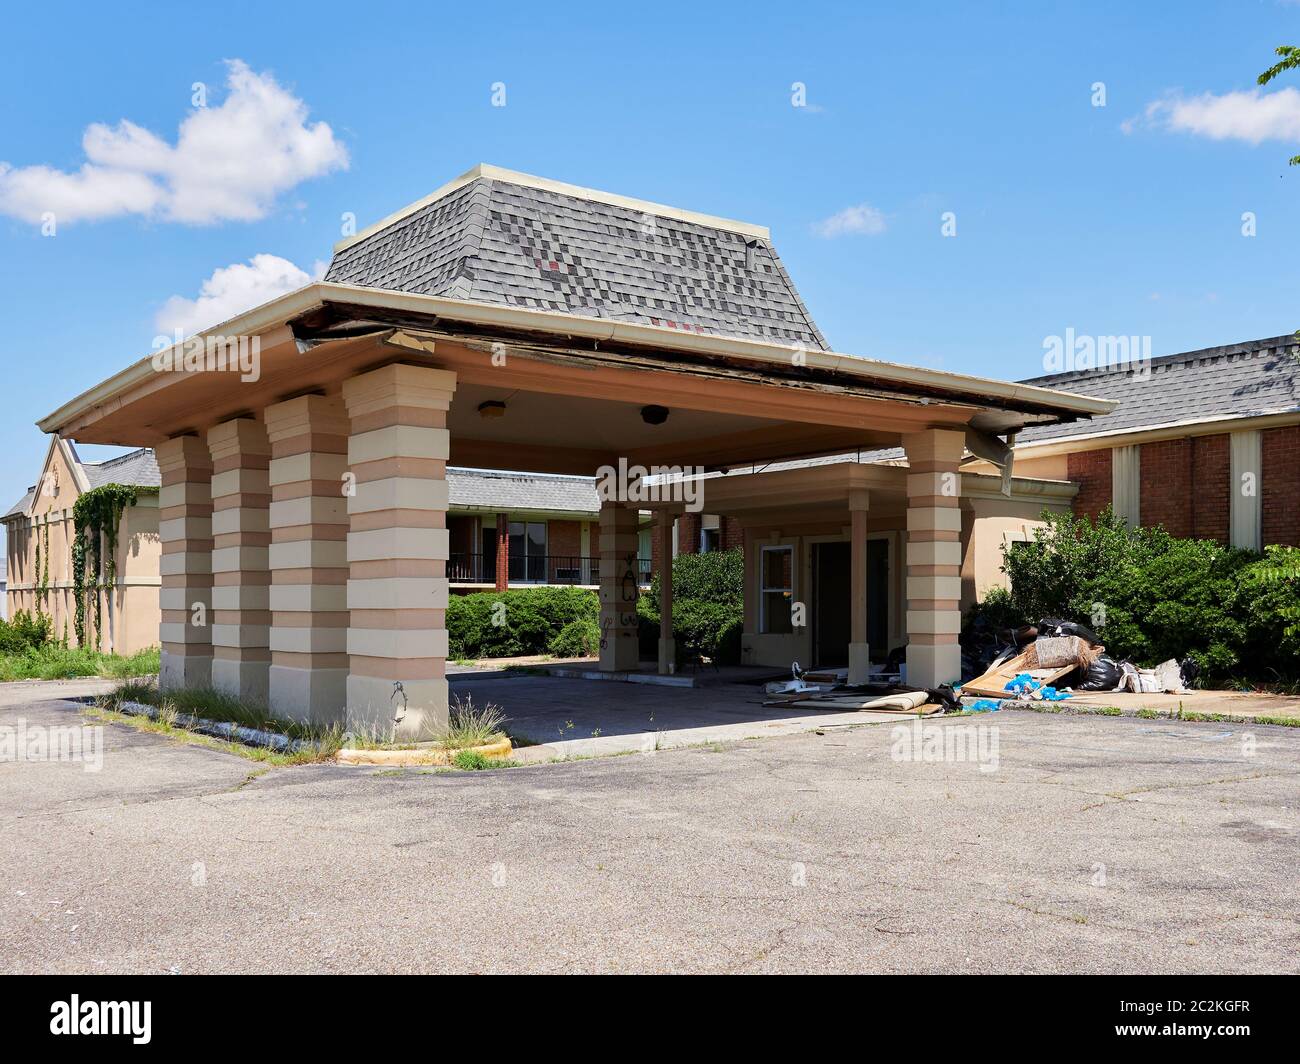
pixel 1123 219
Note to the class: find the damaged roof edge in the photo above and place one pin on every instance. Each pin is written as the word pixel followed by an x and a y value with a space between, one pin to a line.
pixel 279 311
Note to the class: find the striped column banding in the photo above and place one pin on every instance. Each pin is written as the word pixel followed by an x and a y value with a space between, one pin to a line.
pixel 397 549
pixel 241 579
pixel 933 556
pixel 619 645
pixel 308 558
pixel 185 532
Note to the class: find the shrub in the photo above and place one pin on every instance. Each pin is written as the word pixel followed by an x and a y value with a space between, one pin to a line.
pixel 1152 597
pixel 504 624
pixel 24 632
pixel 708 606
pixel 577 639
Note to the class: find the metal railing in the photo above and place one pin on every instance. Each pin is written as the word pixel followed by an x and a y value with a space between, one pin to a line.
pixel 533 569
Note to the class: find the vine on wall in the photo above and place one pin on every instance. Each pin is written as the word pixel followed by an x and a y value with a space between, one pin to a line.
pixel 96 516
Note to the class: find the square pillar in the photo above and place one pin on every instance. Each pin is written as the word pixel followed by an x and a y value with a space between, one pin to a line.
pixel 241 536
pixel 502 571
pixel 397 550
pixel 667 644
pixel 619 588
pixel 308 559
pixel 859 651
pixel 185 533
pixel 933 556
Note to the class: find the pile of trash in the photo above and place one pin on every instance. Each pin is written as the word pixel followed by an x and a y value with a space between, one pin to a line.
pixel 1048 660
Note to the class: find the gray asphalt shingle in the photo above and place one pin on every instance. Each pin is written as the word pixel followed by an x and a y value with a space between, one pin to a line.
pixel 521 491
pixel 1236 380
pixel 495 241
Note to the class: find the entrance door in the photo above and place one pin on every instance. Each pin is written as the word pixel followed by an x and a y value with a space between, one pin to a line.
pixel 832 616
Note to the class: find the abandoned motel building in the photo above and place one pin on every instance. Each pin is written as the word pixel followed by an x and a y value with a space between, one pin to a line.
pixel 429 420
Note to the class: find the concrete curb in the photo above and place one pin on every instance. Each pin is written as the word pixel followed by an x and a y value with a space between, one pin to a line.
pixel 235 733
pixel 419 756
pixel 1191 716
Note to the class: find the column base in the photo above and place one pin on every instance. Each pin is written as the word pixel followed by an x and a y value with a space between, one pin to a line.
pixel 859 663
pixel 311 696
pixel 667 657
pixel 621 651
pixel 246 680
pixel 184 670
pixel 372 709
pixel 932 664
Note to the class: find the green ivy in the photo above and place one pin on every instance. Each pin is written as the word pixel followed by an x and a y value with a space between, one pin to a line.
pixel 96 516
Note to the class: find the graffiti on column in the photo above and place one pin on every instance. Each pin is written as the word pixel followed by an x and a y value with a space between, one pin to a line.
pixel 629 590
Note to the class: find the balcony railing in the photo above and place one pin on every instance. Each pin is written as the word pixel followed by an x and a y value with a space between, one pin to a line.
pixel 534 569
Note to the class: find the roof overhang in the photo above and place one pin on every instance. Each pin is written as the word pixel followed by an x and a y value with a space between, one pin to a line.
pixel 322 313
pixel 1169 430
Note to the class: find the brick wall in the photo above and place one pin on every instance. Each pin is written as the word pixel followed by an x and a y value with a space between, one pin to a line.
pixel 733 536
pixel 1166 486
pixel 688 534
pixel 564 545
pixel 1185 486
pixel 1091 471
pixel 1280 485
pixel 1211 503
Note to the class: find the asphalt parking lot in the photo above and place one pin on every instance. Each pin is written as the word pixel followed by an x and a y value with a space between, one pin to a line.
pixel 1093 844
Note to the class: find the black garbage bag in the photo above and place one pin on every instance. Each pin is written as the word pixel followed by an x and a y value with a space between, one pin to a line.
pixel 1104 674
pixel 1190 670
pixel 1055 627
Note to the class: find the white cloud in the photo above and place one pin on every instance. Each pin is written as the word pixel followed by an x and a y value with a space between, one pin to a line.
pixel 229 162
pixel 1252 116
pixel 231 290
pixel 861 220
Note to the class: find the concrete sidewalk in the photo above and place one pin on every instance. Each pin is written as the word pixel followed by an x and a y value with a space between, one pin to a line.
pixel 583 718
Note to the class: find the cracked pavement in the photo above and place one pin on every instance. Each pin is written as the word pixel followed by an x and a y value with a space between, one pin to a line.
pixel 1100 844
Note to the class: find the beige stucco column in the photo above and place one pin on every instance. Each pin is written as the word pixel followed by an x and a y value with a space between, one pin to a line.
pixel 619 588
pixel 308 558
pixel 241 536
pixel 397 550
pixel 185 533
pixel 859 651
pixel 667 644
pixel 933 556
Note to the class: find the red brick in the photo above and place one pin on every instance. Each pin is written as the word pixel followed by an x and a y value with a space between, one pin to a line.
pixel 1091 470
pixel 1280 485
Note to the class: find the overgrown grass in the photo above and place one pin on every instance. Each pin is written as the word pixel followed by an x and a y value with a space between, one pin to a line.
pixel 55 662
pixel 473 761
pixel 168 724
pixel 179 710
pixel 471 725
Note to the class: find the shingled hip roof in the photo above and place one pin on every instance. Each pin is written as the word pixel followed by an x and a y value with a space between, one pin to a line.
pixel 499 237
pixel 1251 379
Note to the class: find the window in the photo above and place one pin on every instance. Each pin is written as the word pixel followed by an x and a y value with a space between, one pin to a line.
pixel 776 589
pixel 710 533
pixel 527 562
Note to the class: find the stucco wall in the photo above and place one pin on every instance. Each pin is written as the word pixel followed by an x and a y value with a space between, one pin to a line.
pixel 130 622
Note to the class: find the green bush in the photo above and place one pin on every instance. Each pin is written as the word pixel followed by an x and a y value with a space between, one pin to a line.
pixel 24 632
pixel 1151 597
pixel 577 639
pixel 708 606
pixel 506 624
